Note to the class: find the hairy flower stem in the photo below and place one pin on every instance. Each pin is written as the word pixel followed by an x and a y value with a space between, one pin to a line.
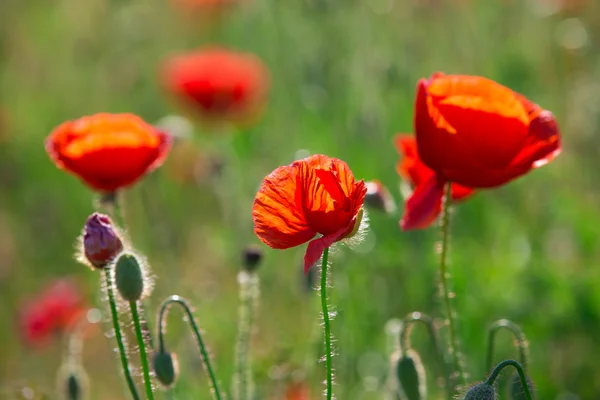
pixel 445 278
pixel 139 335
pixel 519 337
pixel 326 325
pixel 162 328
pixel 118 335
pixel 406 331
pixel 520 371
pixel 248 297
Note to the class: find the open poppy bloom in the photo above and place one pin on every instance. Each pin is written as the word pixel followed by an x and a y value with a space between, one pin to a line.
pixel 218 84
pixel 411 169
pixel 477 133
pixel 108 151
pixel 315 195
pixel 57 308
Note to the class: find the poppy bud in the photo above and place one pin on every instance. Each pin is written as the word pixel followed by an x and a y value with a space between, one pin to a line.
pixel 411 376
pixel 379 198
pixel 72 382
pixel 251 257
pixel 101 244
pixel 481 391
pixel 515 388
pixel 165 368
pixel 129 277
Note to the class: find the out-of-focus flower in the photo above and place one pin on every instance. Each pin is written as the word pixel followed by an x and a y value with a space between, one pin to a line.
pixel 379 198
pixel 412 170
pixel 218 84
pixel 57 308
pixel 108 151
pixel 101 244
pixel 297 390
pixel 207 6
pixel 315 195
pixel 477 133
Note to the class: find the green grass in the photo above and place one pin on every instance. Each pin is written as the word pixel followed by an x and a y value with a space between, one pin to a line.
pixel 343 76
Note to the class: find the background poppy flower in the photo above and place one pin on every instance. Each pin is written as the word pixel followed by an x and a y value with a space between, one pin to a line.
pixel 477 133
pixel 108 151
pixel 315 195
pixel 57 308
pixel 218 84
pixel 416 173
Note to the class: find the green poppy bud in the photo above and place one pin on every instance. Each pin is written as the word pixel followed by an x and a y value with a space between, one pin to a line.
pixel 481 391
pixel 411 377
pixel 129 277
pixel 165 368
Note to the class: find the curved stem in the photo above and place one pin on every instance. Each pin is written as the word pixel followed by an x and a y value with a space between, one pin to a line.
pixel 326 325
pixel 445 277
pixel 518 367
pixel 118 335
pixel 519 337
pixel 142 347
pixel 406 330
pixel 205 357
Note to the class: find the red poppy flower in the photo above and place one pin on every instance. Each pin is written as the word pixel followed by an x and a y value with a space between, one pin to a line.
pixel 218 84
pixel 297 390
pixel 315 195
pixel 411 169
pixel 477 133
pixel 55 309
pixel 108 151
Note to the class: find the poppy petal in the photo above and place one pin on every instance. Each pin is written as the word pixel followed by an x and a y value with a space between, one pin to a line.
pixel 316 247
pixel 278 221
pixel 543 141
pixel 424 205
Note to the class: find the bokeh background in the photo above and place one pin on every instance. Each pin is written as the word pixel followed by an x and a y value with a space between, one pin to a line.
pixel 343 76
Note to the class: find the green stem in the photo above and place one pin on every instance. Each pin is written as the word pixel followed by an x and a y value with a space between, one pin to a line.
pixel 518 334
pixel 139 335
pixel 117 328
pixel 445 277
pixel 518 367
pixel 405 332
pixel 162 327
pixel 248 294
pixel 326 325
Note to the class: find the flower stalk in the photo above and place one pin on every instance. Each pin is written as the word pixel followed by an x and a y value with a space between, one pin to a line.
pixel 445 278
pixel 519 337
pixel 162 328
pixel 118 335
pixel 326 325
pixel 490 380
pixel 135 315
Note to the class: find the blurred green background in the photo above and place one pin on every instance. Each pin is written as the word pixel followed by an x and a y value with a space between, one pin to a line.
pixel 343 76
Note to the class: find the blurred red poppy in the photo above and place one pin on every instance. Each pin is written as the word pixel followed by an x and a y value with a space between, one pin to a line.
pixel 297 390
pixel 108 151
pixel 477 133
pixel 203 5
pixel 411 169
pixel 56 309
pixel 218 84
pixel 315 195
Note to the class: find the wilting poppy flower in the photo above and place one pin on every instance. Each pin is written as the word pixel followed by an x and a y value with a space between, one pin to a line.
pixel 477 133
pixel 411 169
pixel 217 84
pixel 108 151
pixel 57 308
pixel 315 195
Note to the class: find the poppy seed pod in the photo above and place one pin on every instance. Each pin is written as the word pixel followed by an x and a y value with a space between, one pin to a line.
pixel 481 391
pixel 166 368
pixel 379 198
pixel 101 244
pixel 515 388
pixel 411 376
pixel 72 382
pixel 129 277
